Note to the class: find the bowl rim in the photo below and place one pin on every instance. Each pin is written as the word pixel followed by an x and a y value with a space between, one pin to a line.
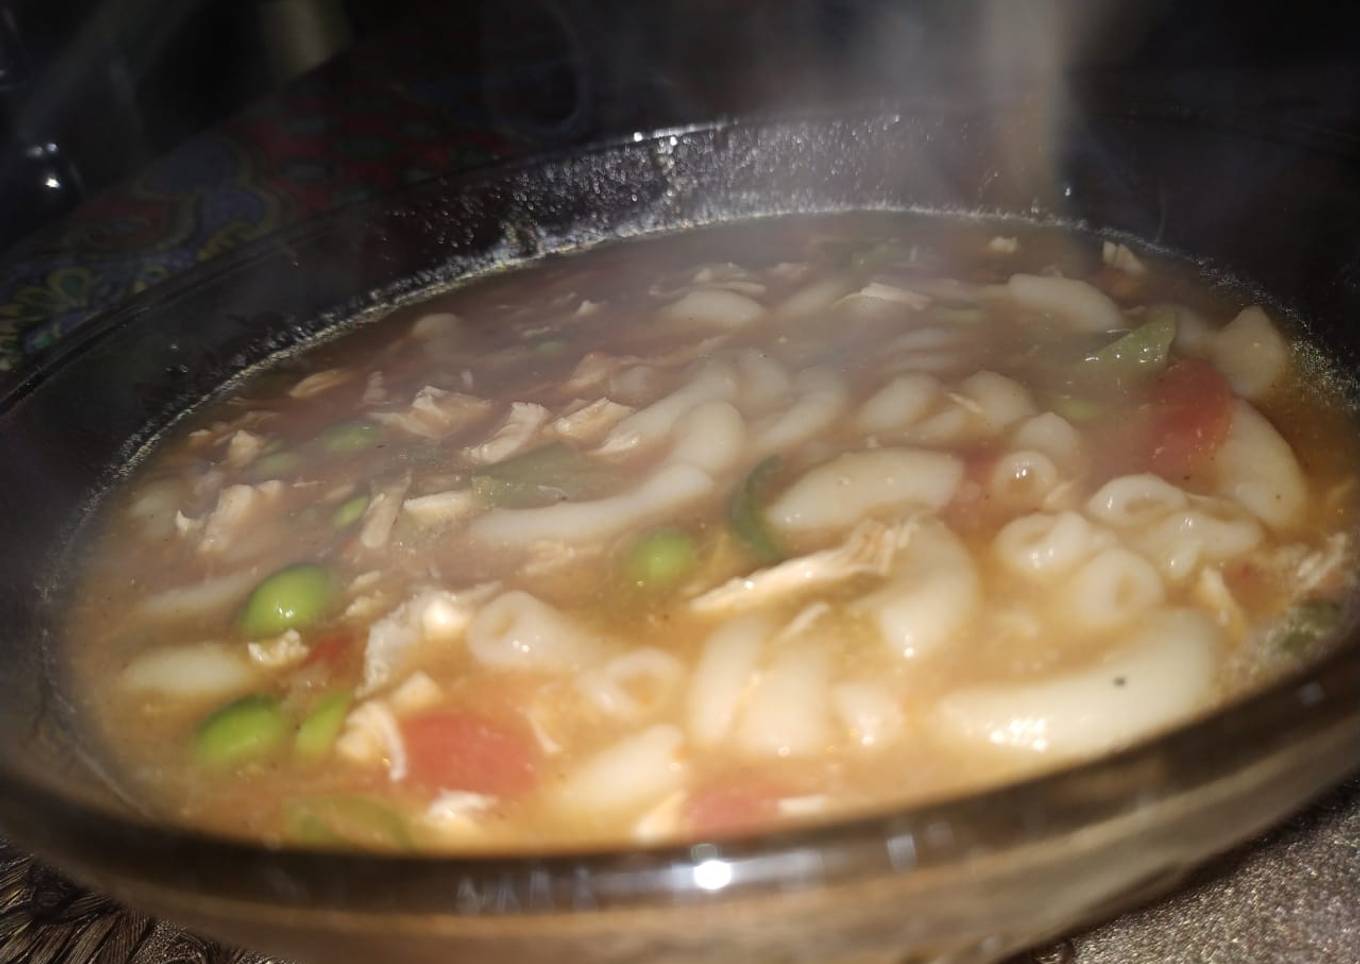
pixel 1309 702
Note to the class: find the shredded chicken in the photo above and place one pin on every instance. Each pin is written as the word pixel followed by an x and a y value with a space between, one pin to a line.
pixel 441 508
pixel 319 382
pixel 594 370
pixel 868 550
pixel 371 735
pixel 237 506
pixel 517 430
pixel 455 811
pixel 280 652
pixel 433 615
pixel 1003 245
pixel 1120 258
pixel 186 526
pixel 382 511
pixel 416 693
pixel 1213 594
pixel 588 422
pixel 375 392
pixel 878 291
pixel 435 413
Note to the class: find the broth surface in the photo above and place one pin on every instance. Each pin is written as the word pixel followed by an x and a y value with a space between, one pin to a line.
pixel 696 535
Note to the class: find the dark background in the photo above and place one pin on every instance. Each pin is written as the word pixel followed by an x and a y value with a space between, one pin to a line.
pixel 91 90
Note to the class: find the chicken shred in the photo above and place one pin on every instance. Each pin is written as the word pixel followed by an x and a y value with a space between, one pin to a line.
pixel 518 429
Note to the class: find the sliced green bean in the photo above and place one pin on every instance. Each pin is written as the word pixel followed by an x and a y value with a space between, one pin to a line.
pixel 349 512
pixel 1307 623
pixel 348 437
pixel 291 598
pixel 746 514
pixel 247 729
pixel 661 559
pixel 1140 354
pixel 276 465
pixel 345 820
pixel 318 731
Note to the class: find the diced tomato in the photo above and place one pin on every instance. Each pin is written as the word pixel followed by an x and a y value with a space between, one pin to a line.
pixel 733 805
pixel 330 650
pixel 463 751
pixel 1191 411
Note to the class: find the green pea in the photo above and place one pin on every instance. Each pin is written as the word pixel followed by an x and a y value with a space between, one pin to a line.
pixel 1074 408
pixel 321 726
pixel 349 437
pixel 290 598
pixel 350 512
pixel 661 559
pixel 248 729
pixel 277 465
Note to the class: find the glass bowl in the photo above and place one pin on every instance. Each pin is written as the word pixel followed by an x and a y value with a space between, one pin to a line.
pixel 965 880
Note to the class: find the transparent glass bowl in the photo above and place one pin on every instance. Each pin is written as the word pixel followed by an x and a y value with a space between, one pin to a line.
pixel 962 880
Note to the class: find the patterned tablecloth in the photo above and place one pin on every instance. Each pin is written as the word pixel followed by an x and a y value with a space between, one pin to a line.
pixel 386 115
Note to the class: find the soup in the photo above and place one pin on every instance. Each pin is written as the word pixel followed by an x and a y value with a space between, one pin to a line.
pixel 713 533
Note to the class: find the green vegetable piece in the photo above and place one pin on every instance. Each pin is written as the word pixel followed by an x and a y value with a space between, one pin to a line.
pixel 661 559
pixel 1140 354
pixel 1075 408
pixel 349 512
pixel 322 725
pixel 292 597
pixel 276 466
pixel 746 516
pixel 345 820
pixel 551 346
pixel 248 729
pixel 348 437
pixel 1308 622
pixel 551 473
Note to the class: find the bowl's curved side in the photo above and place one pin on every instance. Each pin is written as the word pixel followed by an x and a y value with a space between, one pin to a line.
pixel 961 878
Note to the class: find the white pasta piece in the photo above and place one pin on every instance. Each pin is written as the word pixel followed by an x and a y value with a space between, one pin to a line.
pixel 318 382
pixel 898 403
pixel 242 448
pixel 1250 353
pixel 662 821
pixel 1045 546
pixel 1162 674
pixel 722 677
pixel 837 494
pixel 764 382
pixel 1081 305
pixel 1210 532
pixel 870 714
pixel 442 508
pixel 516 431
pixel 814 298
pixel 1003 245
pixel 518 631
pixel 637 771
pixel 713 382
pixel 711 437
pixel 415 694
pixel 1051 434
pixel 278 653
pixel 1256 466
pixel 634 685
pixel 200 599
pixel 371 735
pixel 200 671
pixel 925 362
pixel 1001 401
pixel 822 398
pixel 667 490
pixel 1194 335
pixel 713 306
pixel 1022 479
pixel 439 324
pixel 436 413
pixel 868 550
pixel 955 422
pixel 1119 257
pixel 1110 589
pixel 788 713
pixel 931 596
pixel 381 513
pixel 589 422
pixel 1135 500
pixel 238 507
